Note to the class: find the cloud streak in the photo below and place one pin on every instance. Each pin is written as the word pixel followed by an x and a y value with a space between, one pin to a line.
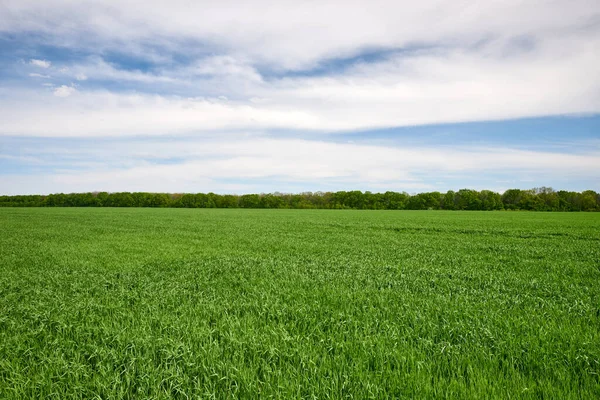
pixel 291 34
pixel 40 63
pixel 268 164
pixel 64 91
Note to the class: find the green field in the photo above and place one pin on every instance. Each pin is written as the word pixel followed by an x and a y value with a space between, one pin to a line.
pixel 204 303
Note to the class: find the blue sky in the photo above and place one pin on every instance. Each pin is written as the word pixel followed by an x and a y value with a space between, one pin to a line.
pixel 233 97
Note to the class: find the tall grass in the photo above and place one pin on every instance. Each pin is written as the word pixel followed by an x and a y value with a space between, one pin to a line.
pixel 179 303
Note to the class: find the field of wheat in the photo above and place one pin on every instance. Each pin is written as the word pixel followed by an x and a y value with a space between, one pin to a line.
pixel 206 303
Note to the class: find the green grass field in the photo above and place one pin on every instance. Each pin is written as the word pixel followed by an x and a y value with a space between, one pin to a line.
pixel 205 303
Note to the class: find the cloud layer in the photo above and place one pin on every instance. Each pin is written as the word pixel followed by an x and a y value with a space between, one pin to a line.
pixel 325 66
pixel 292 34
pixel 255 95
pixel 240 163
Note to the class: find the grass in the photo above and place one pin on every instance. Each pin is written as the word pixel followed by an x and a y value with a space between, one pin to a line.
pixel 204 303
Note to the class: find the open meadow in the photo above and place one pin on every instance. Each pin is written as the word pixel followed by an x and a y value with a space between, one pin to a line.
pixel 216 303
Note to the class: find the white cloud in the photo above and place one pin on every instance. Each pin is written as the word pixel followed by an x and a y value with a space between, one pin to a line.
pixel 104 113
pixel 485 61
pixel 213 163
pixel 292 34
pixel 40 63
pixel 222 66
pixel 35 75
pixel 97 68
pixel 64 91
pixel 435 86
pixel 225 72
pixel 424 62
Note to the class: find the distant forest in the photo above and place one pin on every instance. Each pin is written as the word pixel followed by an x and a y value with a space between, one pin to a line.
pixel 539 199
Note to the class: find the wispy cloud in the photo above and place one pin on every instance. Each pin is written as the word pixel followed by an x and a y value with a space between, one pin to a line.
pixel 40 63
pixel 64 91
pixel 97 68
pixel 266 163
pixel 36 75
pixel 291 34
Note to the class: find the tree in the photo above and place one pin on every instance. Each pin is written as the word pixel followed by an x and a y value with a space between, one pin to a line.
pixel 395 201
pixel 589 200
pixel 490 200
pixel 511 199
pixel 250 201
pixel 448 201
pixel 549 197
pixel 468 199
pixel 270 201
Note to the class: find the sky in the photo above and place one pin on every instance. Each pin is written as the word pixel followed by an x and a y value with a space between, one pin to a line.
pixel 294 96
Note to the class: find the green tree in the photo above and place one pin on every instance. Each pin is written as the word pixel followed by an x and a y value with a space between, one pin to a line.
pixel 467 199
pixel 490 200
pixel 589 200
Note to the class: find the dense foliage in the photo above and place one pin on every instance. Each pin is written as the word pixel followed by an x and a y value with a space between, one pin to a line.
pixel 539 199
pixel 137 303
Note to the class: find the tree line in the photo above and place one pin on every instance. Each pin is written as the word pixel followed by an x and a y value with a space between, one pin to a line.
pixel 538 199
